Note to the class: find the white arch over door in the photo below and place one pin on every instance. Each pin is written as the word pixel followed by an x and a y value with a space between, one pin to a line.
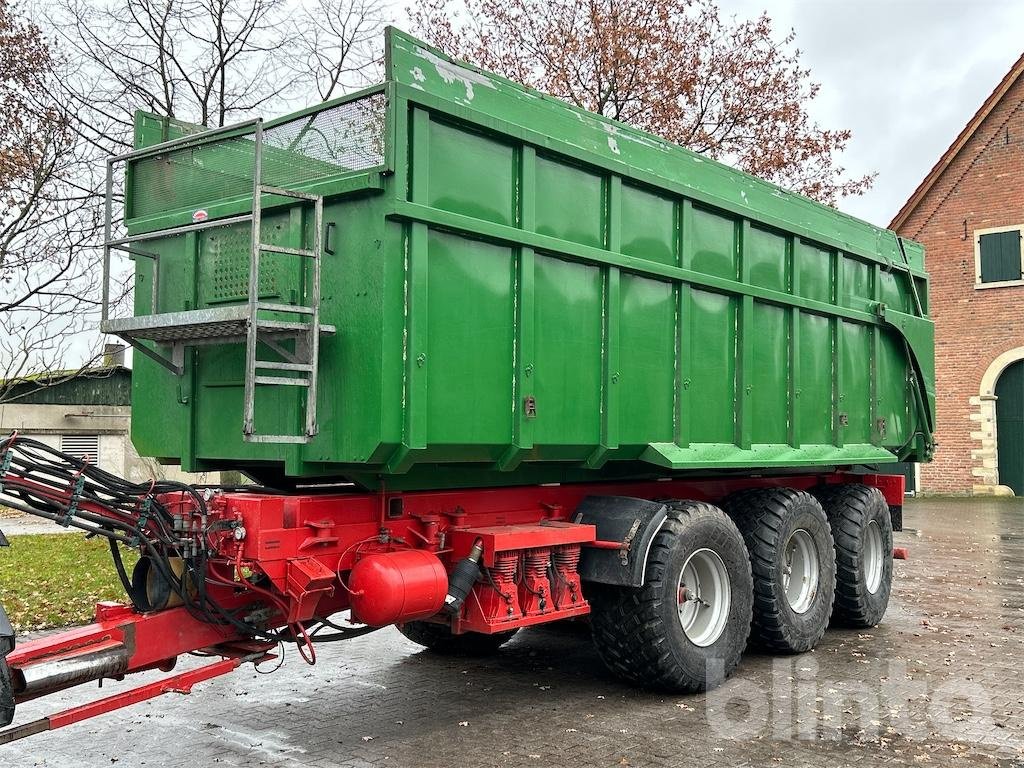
pixel 1000 364
pixel 986 458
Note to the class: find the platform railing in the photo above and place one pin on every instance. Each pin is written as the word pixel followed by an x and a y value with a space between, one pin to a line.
pixel 231 323
pixel 127 243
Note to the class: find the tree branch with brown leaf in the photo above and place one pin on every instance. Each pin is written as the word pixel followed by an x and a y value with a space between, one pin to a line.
pixel 728 88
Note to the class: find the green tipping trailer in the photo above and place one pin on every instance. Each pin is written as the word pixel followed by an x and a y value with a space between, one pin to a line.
pixel 452 280
pixel 558 368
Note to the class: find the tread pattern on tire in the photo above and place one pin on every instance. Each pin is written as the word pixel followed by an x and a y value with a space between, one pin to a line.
pixel 439 639
pixel 760 514
pixel 627 623
pixel 847 506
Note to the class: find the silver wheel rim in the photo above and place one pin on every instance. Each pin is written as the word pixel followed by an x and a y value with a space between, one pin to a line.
pixel 800 570
pixel 703 597
pixel 873 556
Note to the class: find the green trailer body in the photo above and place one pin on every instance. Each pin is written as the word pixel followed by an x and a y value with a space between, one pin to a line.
pixel 519 292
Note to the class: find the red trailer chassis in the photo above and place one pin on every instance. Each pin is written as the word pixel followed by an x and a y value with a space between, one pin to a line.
pixel 286 561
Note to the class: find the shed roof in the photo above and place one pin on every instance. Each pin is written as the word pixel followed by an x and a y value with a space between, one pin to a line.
pixel 101 385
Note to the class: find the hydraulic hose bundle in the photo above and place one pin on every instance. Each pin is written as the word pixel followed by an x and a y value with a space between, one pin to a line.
pixel 73 492
pixel 168 523
pixel 192 589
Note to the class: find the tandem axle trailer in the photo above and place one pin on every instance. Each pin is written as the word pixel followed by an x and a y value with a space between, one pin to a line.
pixel 494 362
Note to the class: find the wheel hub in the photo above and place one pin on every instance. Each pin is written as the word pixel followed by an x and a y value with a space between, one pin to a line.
pixel 873 557
pixel 800 570
pixel 703 597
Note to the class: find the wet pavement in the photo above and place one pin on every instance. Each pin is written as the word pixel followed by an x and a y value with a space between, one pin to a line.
pixel 940 682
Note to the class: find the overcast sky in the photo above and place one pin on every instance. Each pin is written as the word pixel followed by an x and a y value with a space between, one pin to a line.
pixel 905 76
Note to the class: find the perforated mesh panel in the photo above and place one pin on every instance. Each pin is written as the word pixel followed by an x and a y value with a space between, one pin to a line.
pixel 342 139
pixel 348 137
pixel 223 263
pixel 224 266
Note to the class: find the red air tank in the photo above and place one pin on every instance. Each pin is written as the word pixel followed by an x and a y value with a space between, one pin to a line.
pixel 393 587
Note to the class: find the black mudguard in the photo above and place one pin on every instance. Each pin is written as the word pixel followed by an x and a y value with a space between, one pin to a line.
pixel 631 522
pixel 896 513
pixel 6 684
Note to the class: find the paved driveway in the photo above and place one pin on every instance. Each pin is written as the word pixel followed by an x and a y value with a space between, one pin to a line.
pixel 940 682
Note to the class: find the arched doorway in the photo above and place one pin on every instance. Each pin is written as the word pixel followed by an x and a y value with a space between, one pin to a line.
pixel 1009 393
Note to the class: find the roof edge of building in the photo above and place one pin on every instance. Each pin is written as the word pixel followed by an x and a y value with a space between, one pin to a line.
pixel 70 373
pixel 958 144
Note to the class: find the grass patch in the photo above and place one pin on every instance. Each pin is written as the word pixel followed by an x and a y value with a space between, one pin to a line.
pixel 56 579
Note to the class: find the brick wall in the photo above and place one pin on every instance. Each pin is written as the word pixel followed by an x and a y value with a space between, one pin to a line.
pixel 984 185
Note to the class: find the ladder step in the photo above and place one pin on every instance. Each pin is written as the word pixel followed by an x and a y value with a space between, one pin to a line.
pixel 292 439
pixel 281 325
pixel 267 189
pixel 293 308
pixel 268 248
pixel 274 366
pixel 281 381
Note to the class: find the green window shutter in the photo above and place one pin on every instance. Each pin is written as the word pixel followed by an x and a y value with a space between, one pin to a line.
pixel 1000 256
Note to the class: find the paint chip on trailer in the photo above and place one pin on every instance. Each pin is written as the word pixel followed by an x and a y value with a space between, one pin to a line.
pixel 451 72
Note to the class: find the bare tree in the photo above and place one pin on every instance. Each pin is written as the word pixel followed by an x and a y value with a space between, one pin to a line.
pixel 203 61
pixel 65 107
pixel 210 62
pixel 337 45
pixel 49 275
pixel 725 87
pixel 45 213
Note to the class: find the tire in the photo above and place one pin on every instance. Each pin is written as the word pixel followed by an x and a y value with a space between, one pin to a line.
pixel 439 639
pixel 639 631
pixel 862 528
pixel 787 533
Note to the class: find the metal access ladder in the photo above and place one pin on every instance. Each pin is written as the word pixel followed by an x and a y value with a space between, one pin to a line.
pixel 234 323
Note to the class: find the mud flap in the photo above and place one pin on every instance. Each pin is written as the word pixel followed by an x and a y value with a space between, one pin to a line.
pixel 632 522
pixel 6 684
pixel 896 513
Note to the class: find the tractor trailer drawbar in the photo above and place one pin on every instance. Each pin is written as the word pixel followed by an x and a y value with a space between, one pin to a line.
pixel 492 361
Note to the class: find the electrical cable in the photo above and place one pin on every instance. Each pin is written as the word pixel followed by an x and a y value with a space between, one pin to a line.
pixel 67 490
pixel 74 493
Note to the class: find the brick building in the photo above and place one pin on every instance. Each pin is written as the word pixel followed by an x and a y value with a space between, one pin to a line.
pixel 969 213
